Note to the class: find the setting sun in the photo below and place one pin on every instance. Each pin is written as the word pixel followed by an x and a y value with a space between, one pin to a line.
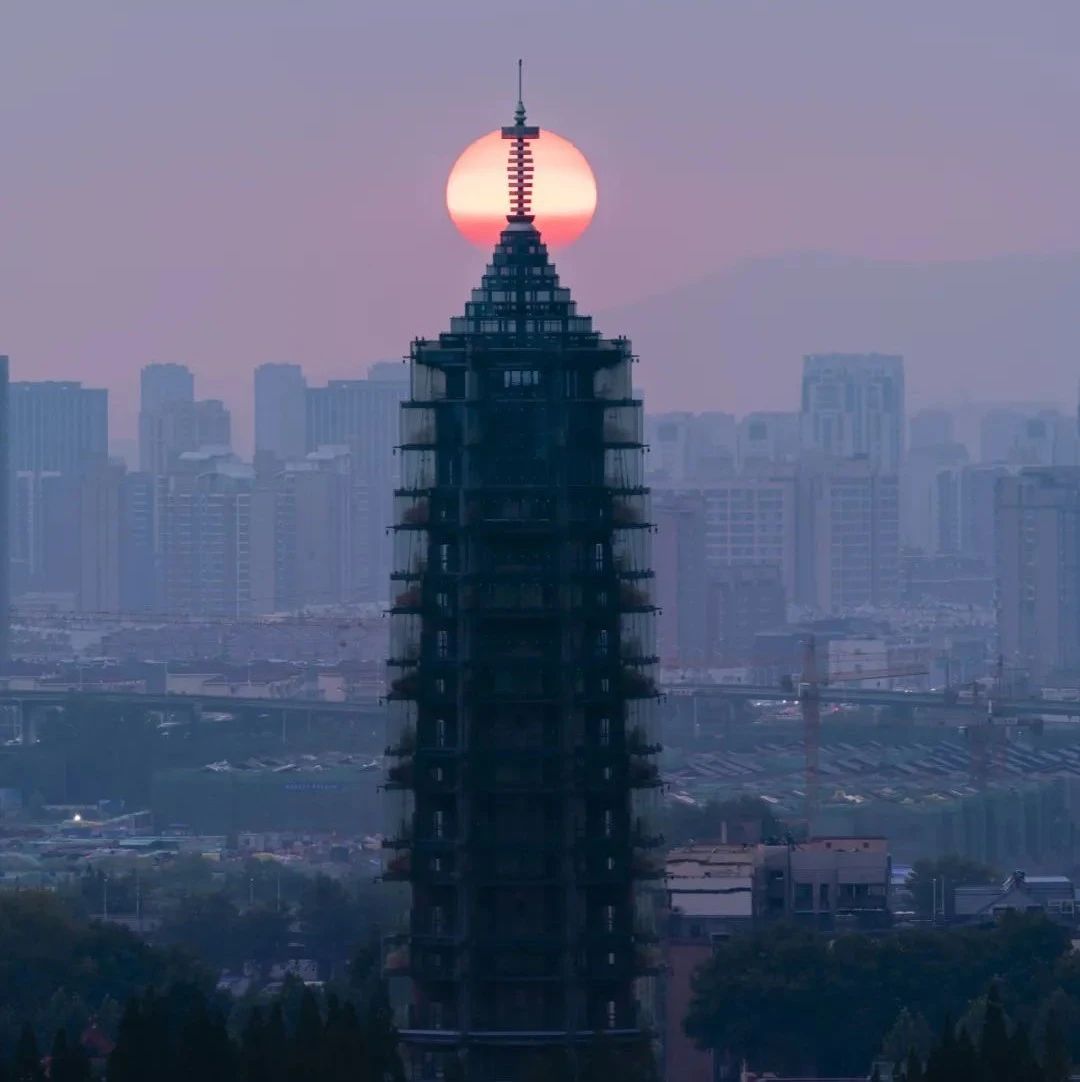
pixel 563 195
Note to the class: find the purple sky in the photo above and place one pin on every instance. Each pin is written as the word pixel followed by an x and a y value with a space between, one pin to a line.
pixel 227 183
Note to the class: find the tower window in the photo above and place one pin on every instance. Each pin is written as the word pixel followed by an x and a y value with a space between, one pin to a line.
pixel 609 918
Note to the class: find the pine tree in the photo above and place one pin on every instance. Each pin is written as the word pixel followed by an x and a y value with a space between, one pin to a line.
pixel 253 1065
pixel 995 1053
pixel 1055 1058
pixel 913 1071
pixel 27 1064
pixel 68 1061
pixel 306 1043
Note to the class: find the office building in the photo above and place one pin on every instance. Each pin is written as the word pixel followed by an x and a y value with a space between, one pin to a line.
pixel 919 492
pixel 853 407
pixel 362 415
pixel 172 422
pixel 310 515
pixel 681 575
pixel 163 383
pixel 742 601
pixel 849 536
pixel 1038 572
pixel 281 411
pixel 767 439
pixel 139 584
pixel 204 536
pixel 752 520
pixel 690 448
pixel 57 426
pixel 522 677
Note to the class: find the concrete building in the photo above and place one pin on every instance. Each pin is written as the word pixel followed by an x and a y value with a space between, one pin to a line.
pixel 1053 895
pixel 690 448
pixel 920 503
pixel 57 426
pixel 752 520
pixel 160 386
pixel 681 577
pixel 362 415
pixel 716 890
pixel 139 584
pixel 853 407
pixel 307 508
pixel 768 439
pixel 172 422
pixel 204 536
pixel 743 600
pixel 1038 572
pixel 848 536
pixel 281 411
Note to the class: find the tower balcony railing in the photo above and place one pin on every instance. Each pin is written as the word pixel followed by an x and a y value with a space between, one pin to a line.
pixel 405 746
pixel 402 838
pixel 637 685
pixel 408 601
pixel 404 687
pixel 638 743
pixel 399 867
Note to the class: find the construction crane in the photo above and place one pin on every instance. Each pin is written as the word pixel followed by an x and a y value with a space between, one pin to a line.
pixel 810 684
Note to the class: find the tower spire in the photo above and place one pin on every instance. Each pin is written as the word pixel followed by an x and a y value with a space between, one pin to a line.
pixel 519 169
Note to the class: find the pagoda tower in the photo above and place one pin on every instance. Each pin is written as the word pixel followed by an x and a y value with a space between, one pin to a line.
pixel 522 679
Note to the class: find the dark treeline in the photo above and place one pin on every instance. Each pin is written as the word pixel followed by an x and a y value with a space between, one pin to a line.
pixel 79 999
pixel 798 1002
pixel 990 1050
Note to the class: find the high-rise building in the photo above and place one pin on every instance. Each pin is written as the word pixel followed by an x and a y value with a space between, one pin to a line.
pixel 139 585
pixel 5 517
pixel 853 407
pixel 362 415
pixel 768 439
pixel 679 560
pixel 311 519
pixel 742 601
pixel 281 411
pixel 919 492
pixel 930 428
pixel 162 383
pixel 753 520
pixel 204 536
pixel 172 422
pixel 1038 572
pixel 965 510
pixel 57 426
pixel 690 448
pixel 522 677
pixel 849 535
pixel 99 540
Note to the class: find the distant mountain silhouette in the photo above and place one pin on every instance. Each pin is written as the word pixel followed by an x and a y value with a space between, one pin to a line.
pixel 1000 328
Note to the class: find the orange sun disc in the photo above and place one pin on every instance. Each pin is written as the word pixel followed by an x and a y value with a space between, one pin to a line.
pixel 563 196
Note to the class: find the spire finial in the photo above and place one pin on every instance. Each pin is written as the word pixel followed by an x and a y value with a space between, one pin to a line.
pixel 520 167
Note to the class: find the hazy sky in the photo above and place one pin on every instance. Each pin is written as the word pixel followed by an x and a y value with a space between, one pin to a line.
pixel 223 182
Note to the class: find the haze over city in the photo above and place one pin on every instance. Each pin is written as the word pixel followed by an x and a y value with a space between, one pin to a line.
pixel 539 542
pixel 223 185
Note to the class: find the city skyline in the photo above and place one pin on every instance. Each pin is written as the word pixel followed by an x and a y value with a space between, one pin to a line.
pixel 263 251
